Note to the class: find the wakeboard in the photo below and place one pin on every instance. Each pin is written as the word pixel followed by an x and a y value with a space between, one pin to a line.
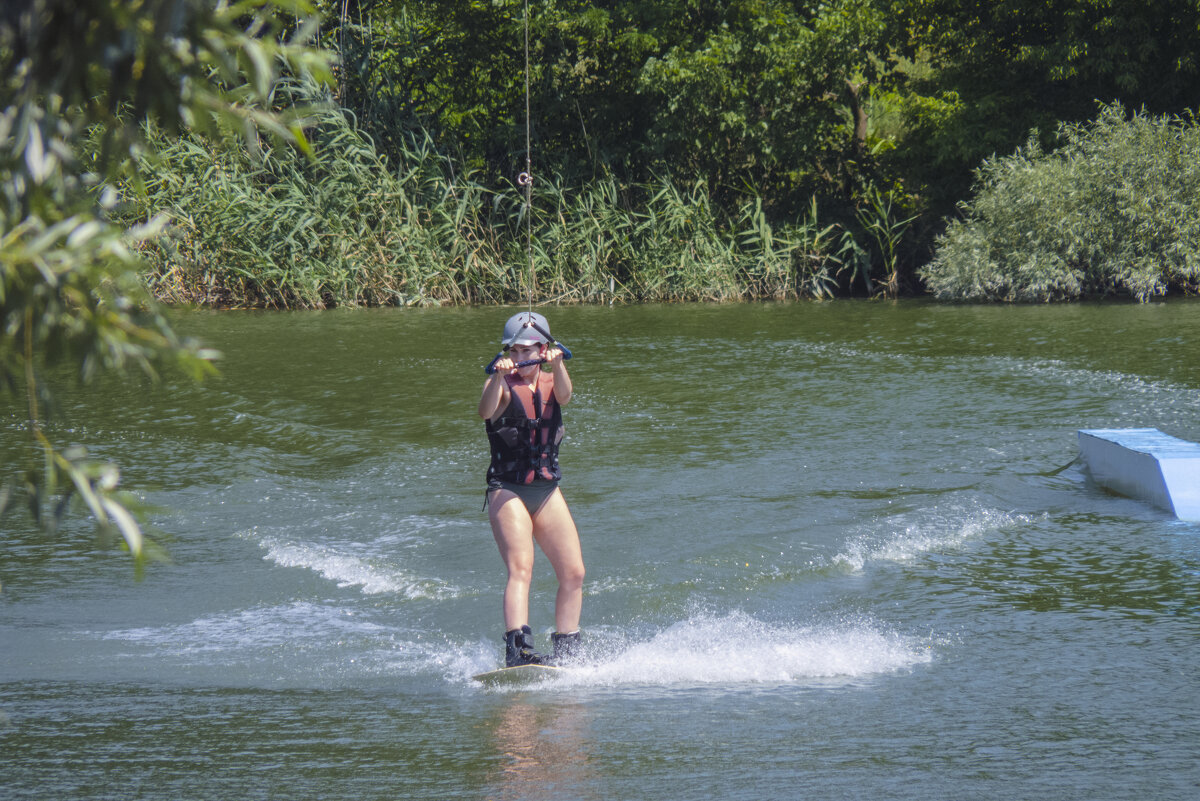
pixel 521 675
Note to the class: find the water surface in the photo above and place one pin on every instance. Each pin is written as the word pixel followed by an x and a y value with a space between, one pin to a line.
pixel 830 550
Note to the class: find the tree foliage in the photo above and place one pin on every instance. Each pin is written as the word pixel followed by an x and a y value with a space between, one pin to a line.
pixel 991 72
pixel 757 101
pixel 738 93
pixel 768 99
pixel 778 101
pixel 70 289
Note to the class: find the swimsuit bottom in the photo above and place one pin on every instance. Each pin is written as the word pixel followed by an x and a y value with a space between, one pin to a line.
pixel 533 495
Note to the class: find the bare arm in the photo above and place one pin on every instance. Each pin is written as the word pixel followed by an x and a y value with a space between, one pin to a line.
pixel 563 389
pixel 495 390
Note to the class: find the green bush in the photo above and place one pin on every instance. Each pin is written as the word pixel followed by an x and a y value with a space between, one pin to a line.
pixel 1114 211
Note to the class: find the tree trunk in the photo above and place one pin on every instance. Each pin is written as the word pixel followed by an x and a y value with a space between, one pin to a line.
pixel 858 147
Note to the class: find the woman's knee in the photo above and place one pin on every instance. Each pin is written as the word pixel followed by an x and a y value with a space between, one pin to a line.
pixel 571 576
pixel 520 570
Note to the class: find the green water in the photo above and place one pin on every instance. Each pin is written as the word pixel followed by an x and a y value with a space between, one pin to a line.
pixel 829 555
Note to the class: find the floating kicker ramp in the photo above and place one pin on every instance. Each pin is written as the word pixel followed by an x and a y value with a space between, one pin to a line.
pixel 1146 464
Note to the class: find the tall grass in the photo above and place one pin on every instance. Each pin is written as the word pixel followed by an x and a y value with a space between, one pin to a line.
pixel 343 227
pixel 283 230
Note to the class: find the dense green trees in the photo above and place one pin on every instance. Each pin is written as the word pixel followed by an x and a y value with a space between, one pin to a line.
pixel 997 70
pixel 760 94
pixel 861 104
pixel 730 131
pixel 714 141
pixel 748 95
pixel 769 100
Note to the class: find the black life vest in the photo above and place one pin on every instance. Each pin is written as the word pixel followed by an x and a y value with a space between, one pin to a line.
pixel 524 438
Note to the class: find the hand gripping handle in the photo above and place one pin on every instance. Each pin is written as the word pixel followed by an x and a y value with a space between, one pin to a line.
pixel 491 366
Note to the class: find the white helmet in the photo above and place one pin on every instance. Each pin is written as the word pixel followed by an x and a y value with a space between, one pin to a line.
pixel 519 330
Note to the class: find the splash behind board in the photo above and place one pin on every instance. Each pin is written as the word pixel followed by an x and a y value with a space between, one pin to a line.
pixel 520 675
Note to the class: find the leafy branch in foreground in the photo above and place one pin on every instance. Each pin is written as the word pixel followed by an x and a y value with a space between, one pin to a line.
pixel 70 291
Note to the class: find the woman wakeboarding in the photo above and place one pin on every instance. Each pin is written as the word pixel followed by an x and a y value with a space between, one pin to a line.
pixel 521 406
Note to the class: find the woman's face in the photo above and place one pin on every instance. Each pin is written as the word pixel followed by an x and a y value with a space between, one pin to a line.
pixel 523 353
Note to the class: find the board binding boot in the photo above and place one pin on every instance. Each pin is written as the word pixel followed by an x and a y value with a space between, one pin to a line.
pixel 518 648
pixel 567 648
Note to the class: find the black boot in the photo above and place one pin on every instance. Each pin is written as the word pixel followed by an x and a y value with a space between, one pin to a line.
pixel 518 648
pixel 567 648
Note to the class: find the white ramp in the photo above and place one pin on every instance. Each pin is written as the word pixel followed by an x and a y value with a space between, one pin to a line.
pixel 1146 464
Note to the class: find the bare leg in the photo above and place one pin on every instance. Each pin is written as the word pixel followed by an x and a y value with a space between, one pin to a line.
pixel 555 532
pixel 513 530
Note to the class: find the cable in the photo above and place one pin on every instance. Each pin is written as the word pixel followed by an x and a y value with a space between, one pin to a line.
pixel 526 178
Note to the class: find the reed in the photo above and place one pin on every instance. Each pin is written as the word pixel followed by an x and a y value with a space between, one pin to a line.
pixel 343 227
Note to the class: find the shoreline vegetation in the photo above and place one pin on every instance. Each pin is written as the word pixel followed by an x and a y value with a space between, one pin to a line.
pixel 1113 212
pixel 279 229
pixel 1013 151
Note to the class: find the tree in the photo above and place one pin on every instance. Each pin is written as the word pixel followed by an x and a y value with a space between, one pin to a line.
pixel 772 98
pixel 70 292
pixel 743 95
pixel 988 73
pixel 457 70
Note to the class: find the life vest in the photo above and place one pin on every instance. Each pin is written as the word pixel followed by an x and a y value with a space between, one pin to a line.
pixel 524 438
